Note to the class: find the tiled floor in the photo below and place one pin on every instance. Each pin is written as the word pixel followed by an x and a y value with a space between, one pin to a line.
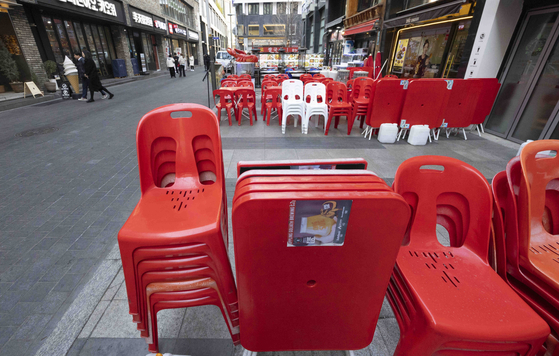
pixel 66 194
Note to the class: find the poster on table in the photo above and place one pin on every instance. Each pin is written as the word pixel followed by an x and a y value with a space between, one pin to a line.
pixel 398 65
pixel 318 222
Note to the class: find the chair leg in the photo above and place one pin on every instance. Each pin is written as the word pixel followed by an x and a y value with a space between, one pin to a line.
pixel 229 117
pixel 479 133
pixel 219 115
pixel 283 123
pixel 430 136
pixel 482 130
pixel 399 134
pixel 239 115
pixel 327 124
pixel 267 118
pixel 350 124
pixel 465 137
pixel 362 122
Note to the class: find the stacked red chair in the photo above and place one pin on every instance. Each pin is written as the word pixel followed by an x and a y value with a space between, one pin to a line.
pixel 387 104
pixel 245 76
pixel 362 96
pixel 338 105
pixel 266 83
pixel 304 77
pixel 424 104
pixel 307 279
pixel 273 102
pixel 302 164
pixel 173 245
pixel 526 225
pixel 226 102
pixel 447 299
pixel 489 90
pixel 245 99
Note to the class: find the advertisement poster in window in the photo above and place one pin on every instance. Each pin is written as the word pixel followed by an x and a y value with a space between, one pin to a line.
pixel 398 65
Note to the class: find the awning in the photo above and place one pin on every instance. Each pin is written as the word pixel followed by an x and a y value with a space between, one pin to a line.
pixel 364 27
pixel 427 14
pixel 335 22
pixel 8 4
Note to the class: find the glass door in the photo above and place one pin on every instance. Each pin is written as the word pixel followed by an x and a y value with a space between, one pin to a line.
pixel 528 96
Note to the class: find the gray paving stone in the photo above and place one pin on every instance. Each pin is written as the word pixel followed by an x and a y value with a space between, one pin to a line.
pixel 52 302
pixel 116 322
pixel 15 347
pixel 205 322
pixel 38 292
pixel 6 333
pixel 94 319
pixel 32 327
pixel 390 333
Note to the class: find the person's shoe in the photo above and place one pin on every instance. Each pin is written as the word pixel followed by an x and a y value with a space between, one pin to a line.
pixel 111 96
pixel 90 100
pixel 104 96
pixel 82 99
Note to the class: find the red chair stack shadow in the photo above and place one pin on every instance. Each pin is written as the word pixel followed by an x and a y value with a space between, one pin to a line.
pixel 175 240
pixel 526 224
pixel 448 300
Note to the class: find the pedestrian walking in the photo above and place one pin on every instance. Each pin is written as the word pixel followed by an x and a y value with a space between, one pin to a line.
pixel 81 73
pixel 207 61
pixel 182 63
pixel 92 73
pixel 171 66
pixel 192 63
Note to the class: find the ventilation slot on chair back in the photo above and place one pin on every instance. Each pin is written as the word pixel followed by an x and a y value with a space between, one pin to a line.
pixel 205 159
pixel 163 158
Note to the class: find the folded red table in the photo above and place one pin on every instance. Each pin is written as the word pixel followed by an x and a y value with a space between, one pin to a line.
pixel 346 163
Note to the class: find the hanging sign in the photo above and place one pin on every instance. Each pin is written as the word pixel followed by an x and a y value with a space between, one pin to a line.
pixel 398 64
pixel 277 49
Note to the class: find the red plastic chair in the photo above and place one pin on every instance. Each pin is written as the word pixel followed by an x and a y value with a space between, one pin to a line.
pixel 263 97
pixel 349 86
pixel 325 81
pixel 391 76
pixel 226 102
pixel 538 212
pixel 245 76
pixel 424 104
pixel 303 77
pixel 273 102
pixel 336 99
pixel 318 76
pixel 283 76
pixel 461 103
pixel 228 80
pixel 485 101
pixel 387 104
pixel 229 84
pixel 245 84
pixel 245 100
pixel 193 158
pixel 445 298
pixel 362 96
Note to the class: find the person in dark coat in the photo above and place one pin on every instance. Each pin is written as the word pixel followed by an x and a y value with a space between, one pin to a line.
pixel 207 61
pixel 85 82
pixel 92 74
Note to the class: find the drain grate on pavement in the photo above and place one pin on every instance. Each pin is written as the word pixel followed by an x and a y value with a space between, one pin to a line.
pixel 38 131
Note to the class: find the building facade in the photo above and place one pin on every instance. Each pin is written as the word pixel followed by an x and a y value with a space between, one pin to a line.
pixel 216 24
pixel 140 33
pixel 261 24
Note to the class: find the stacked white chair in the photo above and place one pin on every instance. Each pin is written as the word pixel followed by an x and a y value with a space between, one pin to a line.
pixel 292 101
pixel 316 92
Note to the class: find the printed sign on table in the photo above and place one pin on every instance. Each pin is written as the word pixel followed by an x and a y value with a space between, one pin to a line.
pixel 401 49
pixel 318 222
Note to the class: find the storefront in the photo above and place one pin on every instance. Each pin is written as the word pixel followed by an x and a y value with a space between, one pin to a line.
pixel 144 37
pixel 176 42
pixel 10 43
pixel 192 45
pixel 433 46
pixel 335 47
pixel 65 27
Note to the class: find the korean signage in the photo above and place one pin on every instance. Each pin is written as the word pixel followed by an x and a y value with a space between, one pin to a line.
pixel 400 55
pixel 276 49
pixel 111 10
pixel 193 35
pixel 176 29
pixel 142 19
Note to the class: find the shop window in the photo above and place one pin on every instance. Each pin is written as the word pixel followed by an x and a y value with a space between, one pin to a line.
pixel 74 46
pixel 321 36
pixel 253 30
pixel 253 9
pixel 293 30
pixel 281 8
pixel 457 50
pixel 53 40
pixel 239 9
pixel 240 30
pixel 294 8
pixel 274 30
pixel 79 33
pixel 92 47
pixel 267 8
pixel 104 43
pixel 109 38
pixel 365 4
pixel 414 3
pixel 64 43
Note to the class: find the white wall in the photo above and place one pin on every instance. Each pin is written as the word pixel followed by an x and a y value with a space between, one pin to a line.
pixel 498 21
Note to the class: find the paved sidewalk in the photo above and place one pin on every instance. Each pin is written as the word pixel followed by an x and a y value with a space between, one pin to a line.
pixel 64 195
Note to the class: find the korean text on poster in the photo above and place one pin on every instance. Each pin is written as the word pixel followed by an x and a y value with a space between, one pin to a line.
pixel 318 222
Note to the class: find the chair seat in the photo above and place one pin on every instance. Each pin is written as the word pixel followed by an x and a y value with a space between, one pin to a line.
pixel 454 284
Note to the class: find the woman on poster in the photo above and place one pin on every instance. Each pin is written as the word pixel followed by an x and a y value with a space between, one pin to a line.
pixel 422 61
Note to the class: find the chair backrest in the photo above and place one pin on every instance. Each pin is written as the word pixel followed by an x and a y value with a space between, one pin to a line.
pixel 242 96
pixel 245 76
pixel 325 80
pixel 486 99
pixel 315 93
pixel 225 97
pixel 363 89
pixel 179 139
pixel 432 183
pixel 388 102
pixel 229 84
pixel 305 76
pixel 276 97
pixel 349 86
pixel 460 106
pixel 292 89
pixel 425 100
pixel 245 84
pixel 233 76
pixel 318 76
pixel 538 201
pixel 336 92
pixel 269 76
pixel 268 83
pixel 283 76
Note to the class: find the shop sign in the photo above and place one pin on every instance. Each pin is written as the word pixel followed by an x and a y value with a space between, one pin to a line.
pixel 141 19
pixel 398 64
pixel 102 6
pixel 412 19
pixel 179 30
pixel 170 28
pixel 276 49
pixel 160 24
pixel 107 9
pixel 193 35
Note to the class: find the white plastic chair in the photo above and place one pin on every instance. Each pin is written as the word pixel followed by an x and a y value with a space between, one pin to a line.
pixel 315 106
pixel 292 101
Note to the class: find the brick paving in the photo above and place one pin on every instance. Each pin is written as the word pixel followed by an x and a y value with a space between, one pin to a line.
pixel 64 195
